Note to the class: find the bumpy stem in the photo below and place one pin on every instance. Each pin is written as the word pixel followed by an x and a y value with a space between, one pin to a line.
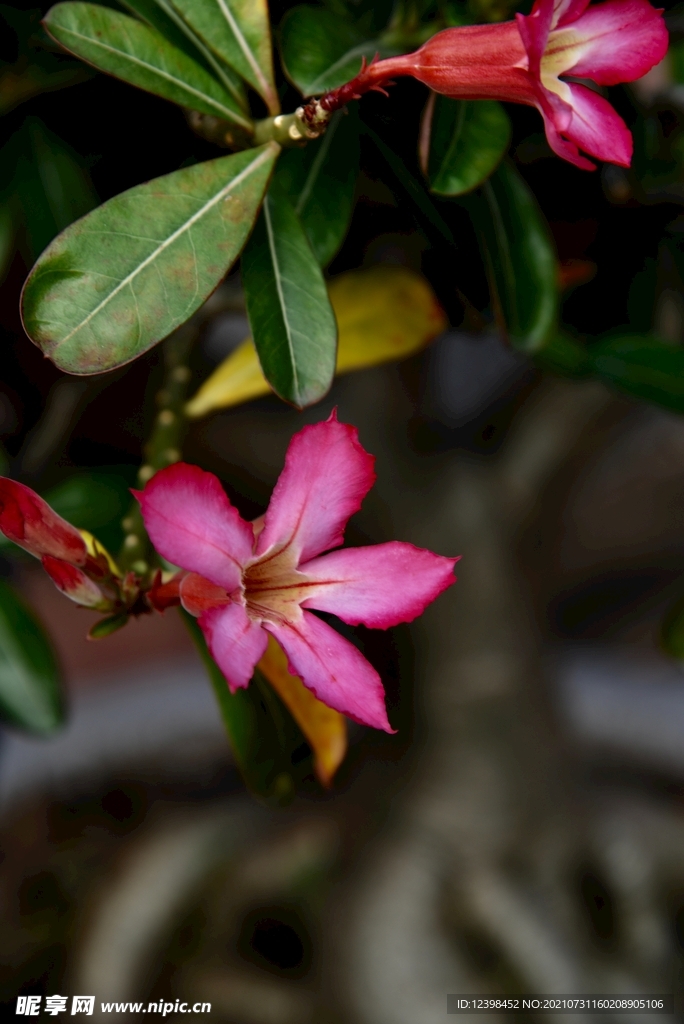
pixel 164 445
pixel 374 77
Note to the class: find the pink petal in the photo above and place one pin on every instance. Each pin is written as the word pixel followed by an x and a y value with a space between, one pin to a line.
pixel 30 522
pixel 534 31
pixel 618 41
pixel 193 525
pixel 333 669
pixel 75 585
pixel 567 150
pixel 198 595
pixel 327 475
pixel 379 586
pixel 566 11
pixel 235 641
pixel 595 127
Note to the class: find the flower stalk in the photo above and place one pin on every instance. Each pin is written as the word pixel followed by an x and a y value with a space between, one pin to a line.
pixel 164 446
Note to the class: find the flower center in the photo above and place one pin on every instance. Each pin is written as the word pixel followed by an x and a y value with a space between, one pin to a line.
pixel 563 50
pixel 274 588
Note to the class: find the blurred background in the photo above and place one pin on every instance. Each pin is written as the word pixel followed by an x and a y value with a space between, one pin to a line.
pixel 524 829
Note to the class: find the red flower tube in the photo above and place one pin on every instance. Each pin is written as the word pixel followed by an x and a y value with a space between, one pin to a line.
pixel 522 61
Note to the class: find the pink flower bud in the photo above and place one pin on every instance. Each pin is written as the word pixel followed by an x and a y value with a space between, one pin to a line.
pixel 74 583
pixel 30 522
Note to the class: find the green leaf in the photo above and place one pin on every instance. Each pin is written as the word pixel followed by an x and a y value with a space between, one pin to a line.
pixel 7 236
pixel 163 17
pixel 672 631
pixel 105 627
pixel 239 32
pixel 95 501
pixel 30 679
pixel 321 51
pixel 520 258
pixel 468 139
pixel 122 278
pixel 141 56
pixel 643 366
pixel 48 186
pixel 265 740
pixel 429 212
pixel 320 181
pixel 563 355
pixel 292 321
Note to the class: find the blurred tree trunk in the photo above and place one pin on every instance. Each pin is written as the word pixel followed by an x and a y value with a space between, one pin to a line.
pixel 474 887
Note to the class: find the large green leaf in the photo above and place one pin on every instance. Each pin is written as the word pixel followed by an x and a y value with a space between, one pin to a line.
pixel 292 321
pixel 46 185
pixel 267 744
pixel 320 180
pixel 468 138
pixel 30 679
pixel 643 366
pixel 239 32
pixel 163 17
pixel 321 51
pixel 141 56
pixel 520 258
pixel 122 278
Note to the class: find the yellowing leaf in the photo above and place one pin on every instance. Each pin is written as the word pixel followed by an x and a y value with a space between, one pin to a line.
pixel 383 314
pixel 325 729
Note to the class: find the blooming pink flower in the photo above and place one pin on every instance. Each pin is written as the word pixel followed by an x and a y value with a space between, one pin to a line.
pixel 522 61
pixel 245 580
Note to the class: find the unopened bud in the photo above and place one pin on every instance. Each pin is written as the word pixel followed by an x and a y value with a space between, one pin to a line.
pixel 75 585
pixel 30 522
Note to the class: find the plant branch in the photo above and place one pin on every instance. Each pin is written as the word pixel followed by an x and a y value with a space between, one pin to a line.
pixel 164 445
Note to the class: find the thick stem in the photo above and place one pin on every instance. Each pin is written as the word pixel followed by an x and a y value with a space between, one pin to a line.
pixel 164 445
pixel 286 129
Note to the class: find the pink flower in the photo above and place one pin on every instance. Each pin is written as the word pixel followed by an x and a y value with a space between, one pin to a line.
pixel 522 61
pixel 246 580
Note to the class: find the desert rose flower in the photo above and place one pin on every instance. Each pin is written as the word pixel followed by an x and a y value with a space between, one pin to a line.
pixel 523 61
pixel 244 581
